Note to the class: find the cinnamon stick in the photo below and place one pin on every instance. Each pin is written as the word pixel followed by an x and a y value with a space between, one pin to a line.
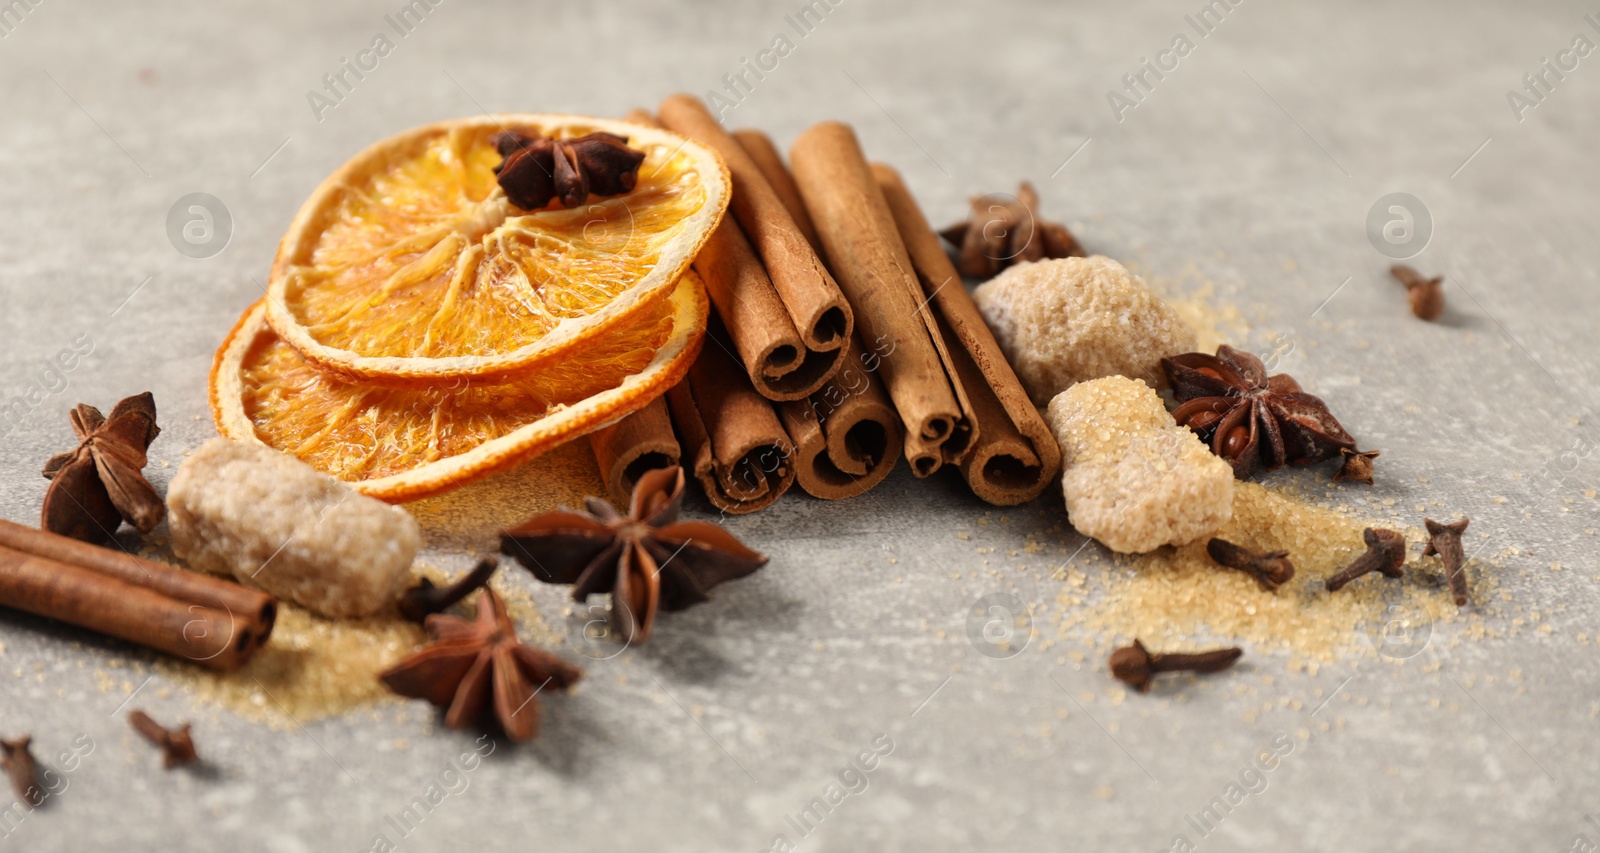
pixel 777 360
pixel 208 621
pixel 1014 456
pixel 863 244
pixel 640 442
pixel 770 163
pixel 731 437
pixel 787 353
pixel 847 436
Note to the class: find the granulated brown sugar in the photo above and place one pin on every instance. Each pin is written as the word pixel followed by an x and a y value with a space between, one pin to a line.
pixel 315 668
pixel 1177 598
pixel 311 669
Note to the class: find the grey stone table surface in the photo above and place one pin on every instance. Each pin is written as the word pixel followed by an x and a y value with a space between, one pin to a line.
pixel 1242 169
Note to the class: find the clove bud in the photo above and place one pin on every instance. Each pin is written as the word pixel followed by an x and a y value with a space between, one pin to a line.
pixel 177 746
pixel 1357 467
pixel 1386 553
pixel 1136 665
pixel 1426 294
pixel 21 768
pixel 1271 569
pixel 1445 540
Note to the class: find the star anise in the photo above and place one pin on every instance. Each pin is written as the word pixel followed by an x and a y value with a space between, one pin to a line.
pixel 100 483
pixel 647 559
pixel 536 170
pixel 471 666
pixel 1248 417
pixel 1001 231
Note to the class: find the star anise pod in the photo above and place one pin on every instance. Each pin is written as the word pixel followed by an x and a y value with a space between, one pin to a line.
pixel 100 483
pixel 647 559
pixel 1248 417
pixel 536 170
pixel 472 666
pixel 1001 231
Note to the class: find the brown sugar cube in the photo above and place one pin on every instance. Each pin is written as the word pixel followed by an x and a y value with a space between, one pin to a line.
pixel 1076 319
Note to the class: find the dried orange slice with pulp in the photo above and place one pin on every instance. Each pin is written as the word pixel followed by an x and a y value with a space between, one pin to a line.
pixel 407 443
pixel 410 266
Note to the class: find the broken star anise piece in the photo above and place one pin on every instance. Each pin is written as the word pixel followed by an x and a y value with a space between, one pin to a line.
pixel 100 483
pixel 1248 417
pixel 536 170
pixel 648 559
pixel 1002 230
pixel 473 667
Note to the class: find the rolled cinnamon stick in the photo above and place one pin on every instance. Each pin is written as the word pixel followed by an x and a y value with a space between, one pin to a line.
pixel 1014 456
pixel 770 163
pixel 777 361
pixel 639 443
pixel 208 621
pixel 781 361
pixel 864 247
pixel 847 436
pixel 732 439
pixel 814 302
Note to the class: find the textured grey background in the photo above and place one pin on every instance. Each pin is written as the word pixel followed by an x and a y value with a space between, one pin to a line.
pixel 1255 161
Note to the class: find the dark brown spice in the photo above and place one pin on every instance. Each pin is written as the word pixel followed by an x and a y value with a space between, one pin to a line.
pixel 648 560
pixel 1445 540
pixel 22 769
pixel 1001 231
pixel 1248 417
pixel 1426 294
pixel 536 170
pixel 1271 569
pixel 426 599
pixel 1357 467
pixel 176 745
pixel 1137 666
pixel 479 669
pixel 1386 553
pixel 100 483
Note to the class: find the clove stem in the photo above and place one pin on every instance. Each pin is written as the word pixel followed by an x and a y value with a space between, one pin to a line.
pixel 424 599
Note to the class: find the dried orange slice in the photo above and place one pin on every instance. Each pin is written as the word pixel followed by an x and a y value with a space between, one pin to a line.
pixel 407 443
pixel 409 265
